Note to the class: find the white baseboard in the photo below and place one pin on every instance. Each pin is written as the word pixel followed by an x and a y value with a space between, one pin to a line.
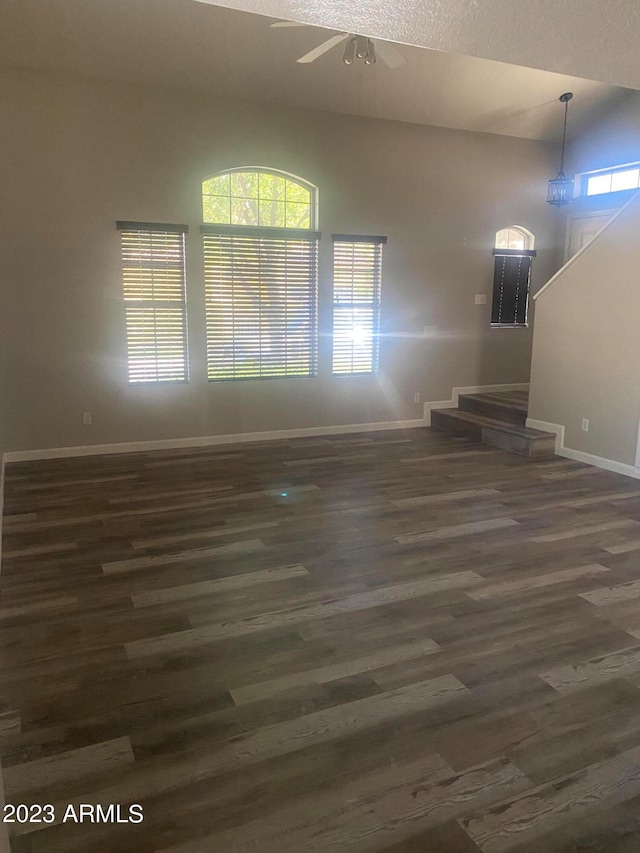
pixel 205 440
pixel 468 389
pixel 600 462
pixel 579 455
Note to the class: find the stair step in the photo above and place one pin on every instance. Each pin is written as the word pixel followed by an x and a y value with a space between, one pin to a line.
pixel 508 407
pixel 497 433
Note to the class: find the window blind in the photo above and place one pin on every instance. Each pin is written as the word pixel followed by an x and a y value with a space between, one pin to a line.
pixel 153 273
pixel 261 302
pixel 357 278
pixel 512 274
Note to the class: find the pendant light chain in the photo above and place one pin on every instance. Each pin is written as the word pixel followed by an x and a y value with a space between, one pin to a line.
pixel 564 135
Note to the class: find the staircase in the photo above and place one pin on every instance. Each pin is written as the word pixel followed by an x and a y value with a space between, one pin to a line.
pixel 497 419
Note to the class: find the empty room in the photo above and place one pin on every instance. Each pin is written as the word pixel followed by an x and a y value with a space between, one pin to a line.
pixel 319 426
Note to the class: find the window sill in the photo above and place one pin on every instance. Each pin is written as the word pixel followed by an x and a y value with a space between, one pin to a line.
pixel 509 325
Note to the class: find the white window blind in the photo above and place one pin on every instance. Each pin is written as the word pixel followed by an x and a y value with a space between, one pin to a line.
pixel 261 302
pixel 153 274
pixel 357 279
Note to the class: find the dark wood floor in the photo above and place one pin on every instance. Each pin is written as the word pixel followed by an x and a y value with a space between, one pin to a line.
pixel 399 642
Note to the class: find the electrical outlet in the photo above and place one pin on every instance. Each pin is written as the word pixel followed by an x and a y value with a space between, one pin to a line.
pixel 86 418
pixel 416 397
pixel 481 298
pixel 430 331
pixel 585 425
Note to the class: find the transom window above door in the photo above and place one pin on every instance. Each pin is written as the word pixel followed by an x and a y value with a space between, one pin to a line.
pixel 258 197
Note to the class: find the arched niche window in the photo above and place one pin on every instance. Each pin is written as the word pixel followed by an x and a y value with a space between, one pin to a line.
pixel 261 279
pixel 513 254
pixel 514 237
pixel 259 198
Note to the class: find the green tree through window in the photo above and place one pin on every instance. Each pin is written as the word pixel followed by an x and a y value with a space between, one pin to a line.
pixel 258 198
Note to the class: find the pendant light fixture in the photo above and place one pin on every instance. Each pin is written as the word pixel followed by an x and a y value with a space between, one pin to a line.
pixel 560 190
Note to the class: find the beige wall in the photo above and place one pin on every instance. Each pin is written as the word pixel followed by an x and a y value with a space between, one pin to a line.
pixel 586 352
pixel 76 155
pixel 612 138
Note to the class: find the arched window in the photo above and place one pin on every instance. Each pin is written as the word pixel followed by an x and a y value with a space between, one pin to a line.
pixel 513 254
pixel 514 237
pixel 259 198
pixel 261 281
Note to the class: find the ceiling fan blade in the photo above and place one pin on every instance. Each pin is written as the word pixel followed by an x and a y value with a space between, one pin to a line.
pixel 389 54
pixel 323 48
pixel 279 24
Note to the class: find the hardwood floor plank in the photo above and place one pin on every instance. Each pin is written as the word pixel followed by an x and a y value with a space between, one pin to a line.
pixel 586 530
pixel 608 496
pixel 384 657
pixel 624 547
pixel 228 530
pixel 447 457
pixel 205 632
pixel 442 497
pixel 447 838
pixel 155 560
pixel 580 472
pixel 375 811
pixel 456 530
pixel 62 604
pixel 58 769
pixel 161 496
pixel 572 677
pixel 226 584
pixel 536 581
pixel 612 594
pixel 36 550
pixel 516 821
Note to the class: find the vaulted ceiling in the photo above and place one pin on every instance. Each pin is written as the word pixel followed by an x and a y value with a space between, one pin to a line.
pixel 594 39
pixel 196 46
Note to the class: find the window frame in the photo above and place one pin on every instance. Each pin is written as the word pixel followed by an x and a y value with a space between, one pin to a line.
pixel 583 178
pixel 156 228
pixel 528 236
pixel 266 244
pixel 279 173
pixel 374 304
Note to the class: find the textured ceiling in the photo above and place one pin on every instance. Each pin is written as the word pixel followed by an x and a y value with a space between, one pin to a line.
pixel 595 39
pixel 196 46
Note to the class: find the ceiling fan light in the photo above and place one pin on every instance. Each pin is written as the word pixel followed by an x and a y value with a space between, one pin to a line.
pixel 370 58
pixel 349 52
pixel 362 47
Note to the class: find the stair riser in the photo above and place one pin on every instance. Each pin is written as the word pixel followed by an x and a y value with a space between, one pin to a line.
pixel 532 447
pixel 498 411
pixel 440 420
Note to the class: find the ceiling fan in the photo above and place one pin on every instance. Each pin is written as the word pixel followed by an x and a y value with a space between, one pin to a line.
pixel 356 48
